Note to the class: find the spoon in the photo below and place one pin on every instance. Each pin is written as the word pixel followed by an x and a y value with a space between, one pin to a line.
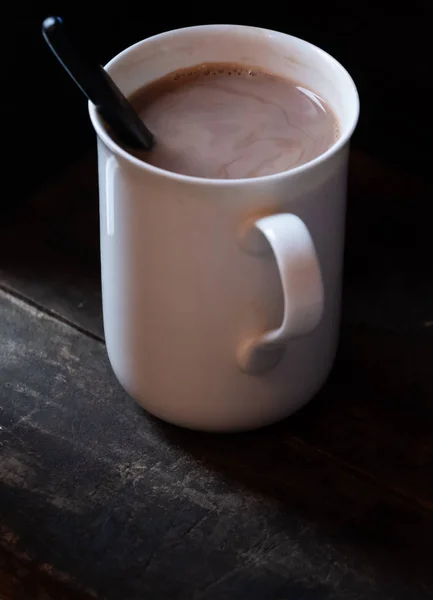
pixel 97 86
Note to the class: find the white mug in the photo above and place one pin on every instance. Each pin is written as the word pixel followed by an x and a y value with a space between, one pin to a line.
pixel 221 298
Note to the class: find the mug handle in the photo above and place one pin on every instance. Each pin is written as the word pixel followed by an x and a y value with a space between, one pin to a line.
pixel 302 285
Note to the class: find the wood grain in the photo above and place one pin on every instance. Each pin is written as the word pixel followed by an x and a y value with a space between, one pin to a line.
pixel 102 500
pixel 376 413
pixel 129 507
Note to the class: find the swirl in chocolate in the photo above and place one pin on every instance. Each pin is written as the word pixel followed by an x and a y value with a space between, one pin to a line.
pixel 225 121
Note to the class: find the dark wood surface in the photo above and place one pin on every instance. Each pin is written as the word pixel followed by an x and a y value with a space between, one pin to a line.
pixel 97 499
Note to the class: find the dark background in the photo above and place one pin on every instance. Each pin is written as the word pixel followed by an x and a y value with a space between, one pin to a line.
pixel 45 116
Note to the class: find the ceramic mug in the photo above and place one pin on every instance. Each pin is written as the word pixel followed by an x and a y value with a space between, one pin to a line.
pixel 221 298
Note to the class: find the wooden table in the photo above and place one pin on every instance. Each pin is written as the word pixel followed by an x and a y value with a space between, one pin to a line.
pixel 97 499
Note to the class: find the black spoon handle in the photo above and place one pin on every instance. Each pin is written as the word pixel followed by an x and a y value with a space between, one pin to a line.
pixel 97 85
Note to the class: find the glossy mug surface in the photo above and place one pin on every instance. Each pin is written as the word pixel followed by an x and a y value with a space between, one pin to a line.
pixel 221 298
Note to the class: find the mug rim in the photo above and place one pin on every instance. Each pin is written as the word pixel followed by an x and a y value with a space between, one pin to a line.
pixel 117 149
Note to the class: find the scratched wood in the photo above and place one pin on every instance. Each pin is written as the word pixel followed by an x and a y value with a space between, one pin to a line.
pixel 99 495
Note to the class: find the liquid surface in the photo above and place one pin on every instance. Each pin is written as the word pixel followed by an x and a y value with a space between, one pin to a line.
pixel 226 121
